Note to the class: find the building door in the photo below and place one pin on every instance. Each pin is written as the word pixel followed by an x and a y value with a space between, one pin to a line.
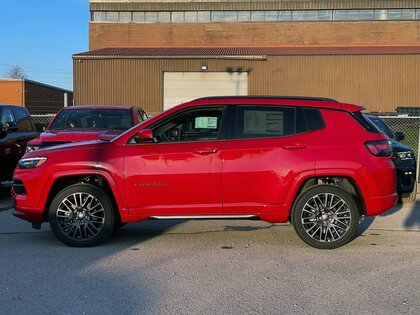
pixel 181 87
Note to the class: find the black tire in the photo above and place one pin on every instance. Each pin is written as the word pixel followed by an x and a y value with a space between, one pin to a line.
pixel 81 215
pixel 325 217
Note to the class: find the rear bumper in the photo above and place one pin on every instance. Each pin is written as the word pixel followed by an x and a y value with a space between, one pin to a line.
pixel 379 204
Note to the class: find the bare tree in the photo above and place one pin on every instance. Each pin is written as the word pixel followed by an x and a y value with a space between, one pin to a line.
pixel 16 72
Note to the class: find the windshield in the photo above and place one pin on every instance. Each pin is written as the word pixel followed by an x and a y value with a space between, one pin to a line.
pixel 120 119
pixel 381 125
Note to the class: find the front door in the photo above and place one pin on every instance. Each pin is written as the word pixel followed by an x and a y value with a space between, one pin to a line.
pixel 180 173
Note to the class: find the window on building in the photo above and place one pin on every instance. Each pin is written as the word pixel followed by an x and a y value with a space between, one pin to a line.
pixel 298 15
pixel 270 16
pixel 151 17
pixel 255 16
pixel 217 16
pixel 191 16
pixel 138 17
pixel 99 16
pixel 408 14
pixel 258 16
pixel 164 17
pixel 244 16
pixel 325 15
pixel 112 16
pixel 125 17
pixel 381 14
pixel 367 15
pixel 177 17
pixel 203 16
pixel 231 16
pixel 284 16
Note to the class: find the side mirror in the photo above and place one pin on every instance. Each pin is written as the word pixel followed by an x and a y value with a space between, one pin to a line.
pixel 399 136
pixel 146 135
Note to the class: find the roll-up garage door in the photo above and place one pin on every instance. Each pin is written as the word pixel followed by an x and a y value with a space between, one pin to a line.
pixel 181 87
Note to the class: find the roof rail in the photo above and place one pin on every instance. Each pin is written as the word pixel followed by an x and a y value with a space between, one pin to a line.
pixel 297 98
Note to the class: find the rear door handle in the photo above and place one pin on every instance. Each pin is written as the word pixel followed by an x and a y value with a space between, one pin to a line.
pixel 205 151
pixel 294 146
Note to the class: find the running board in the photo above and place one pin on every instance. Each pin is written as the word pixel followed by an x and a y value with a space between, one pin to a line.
pixel 207 217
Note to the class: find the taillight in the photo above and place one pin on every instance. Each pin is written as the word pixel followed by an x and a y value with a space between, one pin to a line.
pixel 379 147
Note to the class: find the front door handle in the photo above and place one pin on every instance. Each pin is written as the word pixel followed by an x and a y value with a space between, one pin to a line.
pixel 294 146
pixel 205 151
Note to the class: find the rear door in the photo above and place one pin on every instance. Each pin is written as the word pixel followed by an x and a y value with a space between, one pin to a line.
pixel 270 149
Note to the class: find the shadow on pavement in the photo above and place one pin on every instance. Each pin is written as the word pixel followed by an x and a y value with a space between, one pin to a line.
pixel 413 220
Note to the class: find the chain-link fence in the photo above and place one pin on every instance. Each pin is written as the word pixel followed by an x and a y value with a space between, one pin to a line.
pixel 410 126
pixel 42 121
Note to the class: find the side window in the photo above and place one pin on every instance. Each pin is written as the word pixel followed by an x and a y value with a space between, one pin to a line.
pixel 8 118
pixel 196 125
pixel 265 121
pixel 22 119
pixel 314 120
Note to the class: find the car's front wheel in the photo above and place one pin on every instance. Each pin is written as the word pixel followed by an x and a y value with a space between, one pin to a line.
pixel 81 215
pixel 325 217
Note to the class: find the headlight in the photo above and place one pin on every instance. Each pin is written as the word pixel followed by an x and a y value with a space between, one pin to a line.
pixel 408 155
pixel 31 162
pixel 30 148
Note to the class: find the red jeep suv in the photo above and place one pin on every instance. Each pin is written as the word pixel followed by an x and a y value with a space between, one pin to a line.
pixel 314 162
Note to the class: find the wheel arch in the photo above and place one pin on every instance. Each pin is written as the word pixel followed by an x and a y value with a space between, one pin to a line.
pixel 98 179
pixel 347 183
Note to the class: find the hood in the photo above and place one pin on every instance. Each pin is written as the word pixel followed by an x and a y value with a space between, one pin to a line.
pixel 75 135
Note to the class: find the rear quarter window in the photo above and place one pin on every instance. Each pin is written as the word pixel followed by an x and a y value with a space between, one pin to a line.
pixel 313 118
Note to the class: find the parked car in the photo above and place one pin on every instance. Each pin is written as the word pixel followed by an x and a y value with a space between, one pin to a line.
pixel 403 157
pixel 315 162
pixel 16 130
pixel 84 123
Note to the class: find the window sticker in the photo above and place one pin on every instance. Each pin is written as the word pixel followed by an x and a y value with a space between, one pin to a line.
pixel 205 123
pixel 263 122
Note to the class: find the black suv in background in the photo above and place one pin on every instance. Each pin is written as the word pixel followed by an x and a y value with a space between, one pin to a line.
pixel 403 158
pixel 16 129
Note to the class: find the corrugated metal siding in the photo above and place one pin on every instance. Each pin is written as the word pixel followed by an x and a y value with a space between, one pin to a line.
pixel 380 83
pixel 42 99
pixel 254 5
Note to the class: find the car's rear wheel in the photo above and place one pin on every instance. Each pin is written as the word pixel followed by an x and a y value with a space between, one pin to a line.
pixel 325 217
pixel 81 215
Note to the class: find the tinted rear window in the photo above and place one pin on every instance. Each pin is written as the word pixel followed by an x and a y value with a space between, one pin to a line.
pixel 365 123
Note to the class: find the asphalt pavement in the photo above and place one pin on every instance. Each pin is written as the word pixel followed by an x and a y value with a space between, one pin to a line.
pixel 209 267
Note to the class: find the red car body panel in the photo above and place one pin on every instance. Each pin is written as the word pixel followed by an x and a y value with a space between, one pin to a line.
pixel 260 177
